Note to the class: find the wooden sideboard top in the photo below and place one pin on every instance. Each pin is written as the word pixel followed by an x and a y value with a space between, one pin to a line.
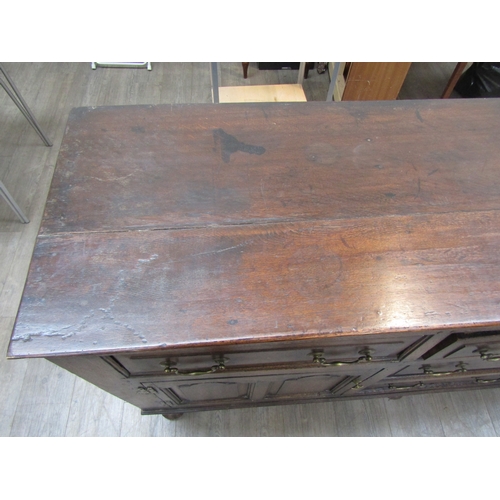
pixel 188 225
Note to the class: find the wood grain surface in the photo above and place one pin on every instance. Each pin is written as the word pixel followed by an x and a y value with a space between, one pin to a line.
pixel 51 90
pixel 373 81
pixel 173 226
pixel 154 167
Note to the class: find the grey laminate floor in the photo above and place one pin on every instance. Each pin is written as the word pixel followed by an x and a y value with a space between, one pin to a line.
pixel 38 398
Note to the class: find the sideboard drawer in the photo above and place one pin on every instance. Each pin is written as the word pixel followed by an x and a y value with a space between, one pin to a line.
pixel 331 352
pixel 399 385
pixel 479 350
pixel 220 391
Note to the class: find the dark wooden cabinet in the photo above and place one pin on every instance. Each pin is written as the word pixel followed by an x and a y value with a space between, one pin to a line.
pixel 197 257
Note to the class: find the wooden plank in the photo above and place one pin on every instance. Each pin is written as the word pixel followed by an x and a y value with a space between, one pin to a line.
pixel 136 425
pixel 310 420
pixel 491 398
pixel 203 424
pixel 11 379
pixel 362 418
pixel 371 81
pixel 465 415
pixel 415 416
pixel 267 421
pixel 306 280
pixel 93 412
pixel 44 401
pixel 263 93
pixel 362 160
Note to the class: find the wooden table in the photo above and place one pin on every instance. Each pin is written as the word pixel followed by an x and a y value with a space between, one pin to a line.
pixel 196 257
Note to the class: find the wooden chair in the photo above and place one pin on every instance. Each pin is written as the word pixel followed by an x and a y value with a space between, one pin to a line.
pixel 457 73
pixel 291 92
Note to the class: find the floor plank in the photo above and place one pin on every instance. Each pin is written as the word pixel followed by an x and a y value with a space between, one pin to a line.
pixel 465 415
pixel 491 398
pixel 415 416
pixel 43 405
pixel 93 412
pixel 12 375
pixel 358 418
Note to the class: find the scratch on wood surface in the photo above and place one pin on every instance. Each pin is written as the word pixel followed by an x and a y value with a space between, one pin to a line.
pixel 345 243
pixel 57 332
pixel 111 179
pixel 245 243
pixel 151 259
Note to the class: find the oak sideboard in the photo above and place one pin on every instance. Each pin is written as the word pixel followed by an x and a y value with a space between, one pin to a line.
pixel 199 257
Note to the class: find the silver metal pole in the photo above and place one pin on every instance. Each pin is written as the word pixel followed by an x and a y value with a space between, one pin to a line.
pixel 215 82
pixel 333 81
pixel 302 69
pixel 16 96
pixel 8 198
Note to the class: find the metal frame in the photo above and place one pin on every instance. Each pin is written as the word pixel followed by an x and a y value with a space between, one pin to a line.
pixel 16 96
pixel 214 74
pixel 10 201
pixel 147 65
pixel 333 81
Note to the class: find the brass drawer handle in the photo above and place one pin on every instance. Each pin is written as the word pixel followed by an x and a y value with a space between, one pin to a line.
pixel 483 381
pixel 428 371
pixel 220 366
pixel 357 384
pixel 405 387
pixel 320 360
pixel 488 357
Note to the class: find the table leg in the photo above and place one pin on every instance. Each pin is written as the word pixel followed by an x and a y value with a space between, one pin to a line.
pixel 457 73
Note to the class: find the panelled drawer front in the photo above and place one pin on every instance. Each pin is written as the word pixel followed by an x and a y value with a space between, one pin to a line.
pixel 213 391
pixel 332 352
pixel 396 385
pixel 438 368
pixel 478 346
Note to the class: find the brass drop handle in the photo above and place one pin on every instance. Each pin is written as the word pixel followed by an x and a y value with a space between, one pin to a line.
pixel 428 371
pixel 488 357
pixel 357 384
pixel 220 366
pixel 404 387
pixel 483 381
pixel 146 390
pixel 320 360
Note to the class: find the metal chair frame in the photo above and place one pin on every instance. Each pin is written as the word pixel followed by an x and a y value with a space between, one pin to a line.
pixel 16 96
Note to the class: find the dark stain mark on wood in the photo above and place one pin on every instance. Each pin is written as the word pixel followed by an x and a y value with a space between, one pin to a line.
pixel 390 195
pixel 138 130
pixel 419 116
pixel 433 171
pixel 345 242
pixel 228 144
pixel 232 322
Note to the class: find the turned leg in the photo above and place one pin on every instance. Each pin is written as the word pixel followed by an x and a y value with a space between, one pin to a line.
pixel 172 416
